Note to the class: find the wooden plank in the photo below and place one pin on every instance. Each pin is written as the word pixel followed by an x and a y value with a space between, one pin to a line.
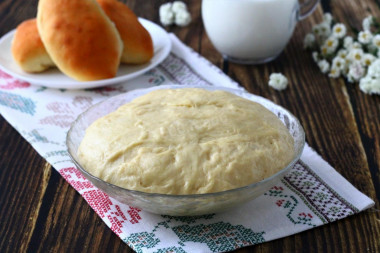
pixel 40 212
pixel 66 223
pixel 365 107
pixel 323 107
pixel 21 190
pixel 13 13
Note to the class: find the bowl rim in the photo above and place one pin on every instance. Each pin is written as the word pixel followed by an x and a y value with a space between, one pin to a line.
pixel 186 196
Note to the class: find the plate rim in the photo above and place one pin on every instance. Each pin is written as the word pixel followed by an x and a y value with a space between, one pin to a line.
pixel 75 85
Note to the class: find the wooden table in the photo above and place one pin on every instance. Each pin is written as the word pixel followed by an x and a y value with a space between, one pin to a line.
pixel 41 212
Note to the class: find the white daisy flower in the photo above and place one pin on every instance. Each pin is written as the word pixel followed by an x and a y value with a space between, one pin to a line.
pixel 327 17
pixel 372 49
pixel 316 30
pixel 356 45
pixel 339 30
pixel 322 30
pixel 355 72
pixel 324 66
pixel 309 40
pixel 367 59
pixel 365 37
pixel 355 54
pixel 315 56
pixel 370 85
pixel 178 6
pixel 376 40
pixel 325 51
pixel 374 69
pixel 331 43
pixel 325 29
pixel 166 14
pixel 342 53
pixel 344 71
pixel 367 22
pixel 338 63
pixel 347 42
pixel 334 72
pixel 278 81
pixel 182 18
pixel 174 13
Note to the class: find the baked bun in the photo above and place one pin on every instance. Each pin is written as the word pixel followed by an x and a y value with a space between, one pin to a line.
pixel 28 50
pixel 80 38
pixel 138 45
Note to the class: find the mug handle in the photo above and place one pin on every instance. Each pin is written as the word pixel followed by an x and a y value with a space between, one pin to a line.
pixel 307 8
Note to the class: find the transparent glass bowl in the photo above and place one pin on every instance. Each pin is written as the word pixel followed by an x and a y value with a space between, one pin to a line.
pixel 181 205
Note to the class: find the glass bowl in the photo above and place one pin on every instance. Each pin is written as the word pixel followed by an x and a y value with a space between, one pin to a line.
pixel 182 205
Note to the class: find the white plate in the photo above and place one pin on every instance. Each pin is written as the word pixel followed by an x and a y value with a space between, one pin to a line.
pixel 53 78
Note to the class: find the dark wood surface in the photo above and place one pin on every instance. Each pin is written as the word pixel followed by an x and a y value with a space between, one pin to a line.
pixel 40 212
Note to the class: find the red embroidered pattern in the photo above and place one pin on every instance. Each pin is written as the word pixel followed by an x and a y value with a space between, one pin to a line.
pixel 115 215
pixel 11 82
pixel 65 113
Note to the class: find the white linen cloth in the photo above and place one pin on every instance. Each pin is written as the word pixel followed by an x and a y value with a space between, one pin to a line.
pixel 311 195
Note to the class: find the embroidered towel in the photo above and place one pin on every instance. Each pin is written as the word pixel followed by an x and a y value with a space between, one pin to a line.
pixel 311 195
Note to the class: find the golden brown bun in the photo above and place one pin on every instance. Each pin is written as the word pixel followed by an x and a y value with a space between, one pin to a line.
pixel 138 45
pixel 28 50
pixel 80 38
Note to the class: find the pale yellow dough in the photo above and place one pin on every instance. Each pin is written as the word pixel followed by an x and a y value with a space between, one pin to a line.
pixel 186 141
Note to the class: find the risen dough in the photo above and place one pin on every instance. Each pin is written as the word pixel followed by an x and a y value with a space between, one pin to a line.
pixel 186 141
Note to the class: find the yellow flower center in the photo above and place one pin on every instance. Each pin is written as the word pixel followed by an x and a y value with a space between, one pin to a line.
pixel 367 62
pixel 357 56
pixel 378 43
pixel 330 43
pixel 338 30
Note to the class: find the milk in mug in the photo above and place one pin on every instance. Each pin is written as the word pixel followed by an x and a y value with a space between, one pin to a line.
pixel 249 31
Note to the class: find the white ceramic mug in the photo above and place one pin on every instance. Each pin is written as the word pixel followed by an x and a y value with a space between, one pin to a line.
pixel 252 31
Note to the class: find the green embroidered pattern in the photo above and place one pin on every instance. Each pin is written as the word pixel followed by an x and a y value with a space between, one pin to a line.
pixel 155 77
pixel 179 72
pixel 317 195
pixel 17 102
pixel 189 219
pixel 221 236
pixel 56 153
pixel 41 89
pixel 171 250
pixel 289 203
pixel 142 240
pixel 35 136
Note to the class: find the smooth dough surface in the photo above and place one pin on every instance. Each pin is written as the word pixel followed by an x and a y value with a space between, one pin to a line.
pixel 186 141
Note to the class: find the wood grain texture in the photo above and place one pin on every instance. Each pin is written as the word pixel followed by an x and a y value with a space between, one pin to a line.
pixel 40 212
pixel 366 110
